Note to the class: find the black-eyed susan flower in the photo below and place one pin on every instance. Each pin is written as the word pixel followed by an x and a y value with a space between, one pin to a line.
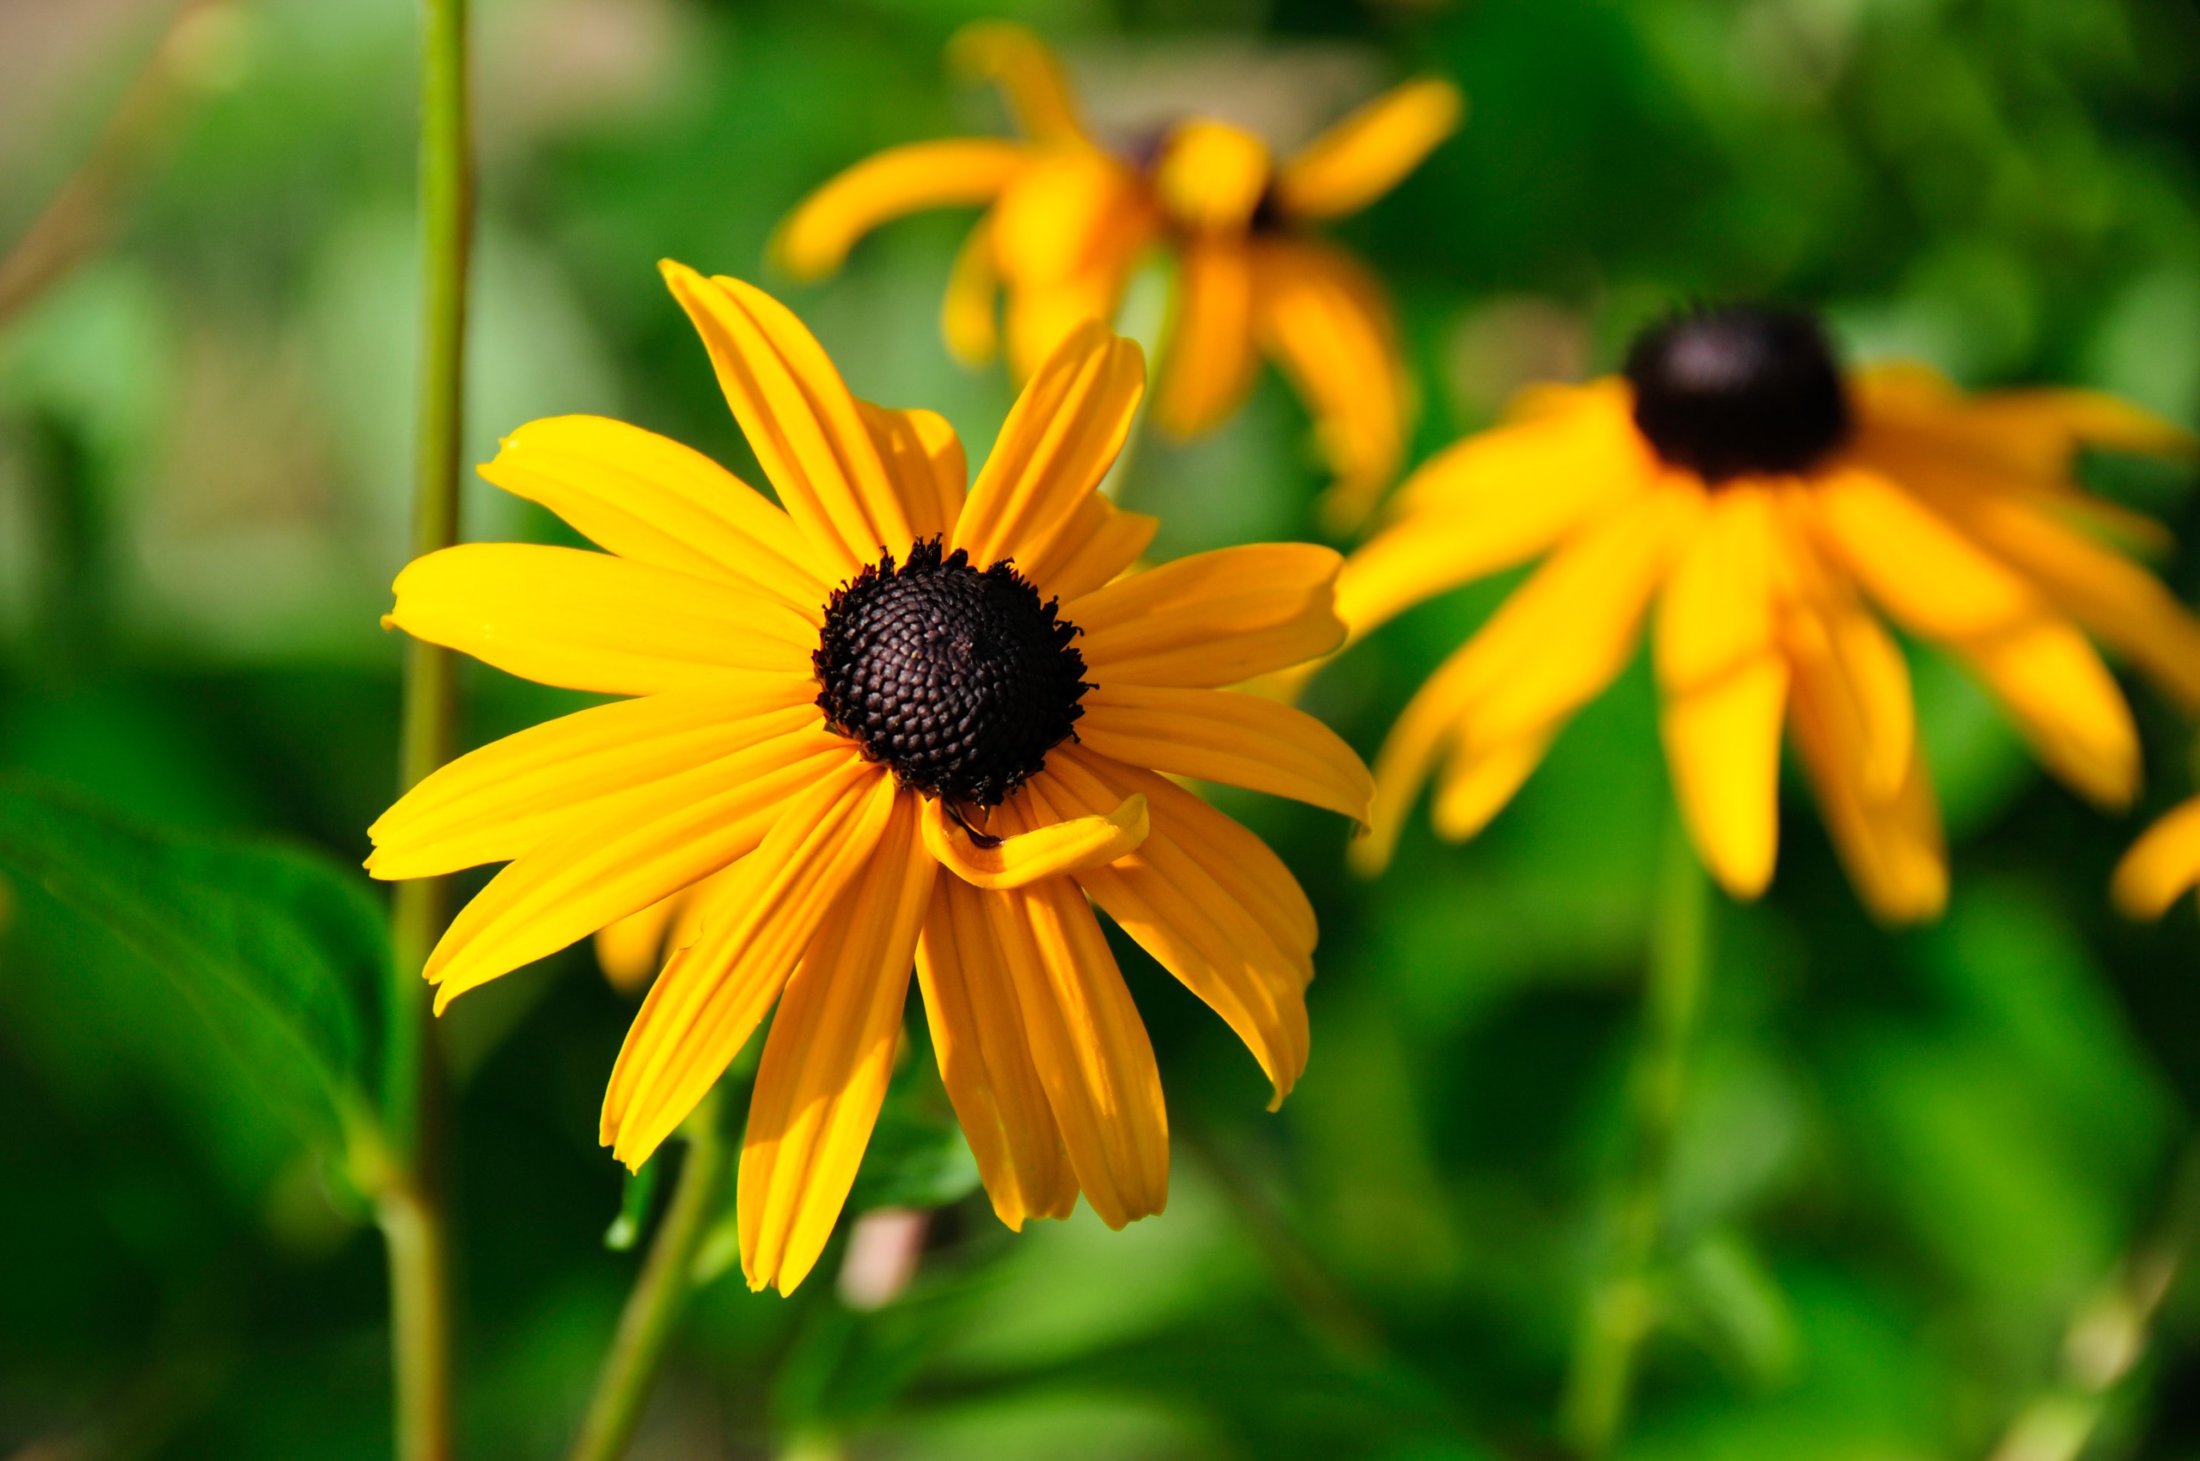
pixel 888 723
pixel 1069 217
pixel 1774 509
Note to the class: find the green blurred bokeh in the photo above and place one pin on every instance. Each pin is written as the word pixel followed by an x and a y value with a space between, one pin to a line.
pixel 1907 1160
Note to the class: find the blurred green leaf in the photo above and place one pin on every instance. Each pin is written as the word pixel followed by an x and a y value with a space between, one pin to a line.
pixel 1720 1295
pixel 278 949
pixel 634 1203
pixel 917 1156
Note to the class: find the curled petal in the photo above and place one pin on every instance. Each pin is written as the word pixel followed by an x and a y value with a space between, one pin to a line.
pixel 1073 845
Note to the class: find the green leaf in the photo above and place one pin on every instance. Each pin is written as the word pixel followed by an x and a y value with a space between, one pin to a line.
pixel 917 1156
pixel 278 948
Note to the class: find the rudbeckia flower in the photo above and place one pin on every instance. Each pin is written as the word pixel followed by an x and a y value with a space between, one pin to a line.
pixel 1775 511
pixel 887 723
pixel 2162 865
pixel 1069 218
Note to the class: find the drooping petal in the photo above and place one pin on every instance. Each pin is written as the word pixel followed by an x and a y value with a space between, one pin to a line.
pixel 1944 586
pixel 1210 175
pixel 2163 864
pixel 2035 432
pixel 1052 848
pixel 1089 1045
pixel 1862 679
pixel 589 621
pixel 1029 75
pixel 1066 239
pixel 1890 843
pixel 1494 500
pixel 1477 781
pixel 1195 927
pixel 970 1006
pixel 1208 361
pixel 816 237
pixel 1212 619
pixel 970 310
pixel 648 498
pixel 827 1060
pixel 1368 153
pixel 1220 735
pixel 637 847
pixel 1725 689
pixel 713 993
pixel 1059 440
pixel 1328 324
pixel 797 415
pixel 501 801
pixel 924 460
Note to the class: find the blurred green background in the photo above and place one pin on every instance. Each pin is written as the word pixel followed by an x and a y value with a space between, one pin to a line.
pixel 1907 1159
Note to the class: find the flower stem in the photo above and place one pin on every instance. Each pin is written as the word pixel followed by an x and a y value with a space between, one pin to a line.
pixel 410 1204
pixel 660 1292
pixel 1621 1307
pixel 2109 1335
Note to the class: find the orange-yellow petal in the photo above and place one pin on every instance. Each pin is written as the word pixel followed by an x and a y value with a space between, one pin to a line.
pixel 1890 842
pixel 797 415
pixel 713 993
pixel 816 237
pixel 1220 735
pixel 1210 175
pixel 1370 152
pixel 970 1006
pixel 924 460
pixel 648 498
pixel 589 621
pixel 1050 848
pixel 970 309
pixel 2163 864
pixel 827 1060
pixel 1029 75
pixel 1211 619
pixel 1208 360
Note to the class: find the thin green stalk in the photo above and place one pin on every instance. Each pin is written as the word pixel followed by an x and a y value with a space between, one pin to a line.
pixel 411 1202
pixel 2110 1334
pixel 1621 1308
pixel 660 1293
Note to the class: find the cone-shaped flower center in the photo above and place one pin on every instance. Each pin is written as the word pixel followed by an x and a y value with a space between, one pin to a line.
pixel 959 679
pixel 1738 390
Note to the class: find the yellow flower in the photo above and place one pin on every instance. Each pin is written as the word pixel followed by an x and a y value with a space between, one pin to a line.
pixel 1774 510
pixel 893 723
pixel 2161 865
pixel 1068 220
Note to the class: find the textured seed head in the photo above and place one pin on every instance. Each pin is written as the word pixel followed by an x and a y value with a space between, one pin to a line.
pixel 958 678
pixel 1738 390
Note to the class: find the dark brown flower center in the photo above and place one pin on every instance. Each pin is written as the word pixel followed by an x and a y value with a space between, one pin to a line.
pixel 1738 390
pixel 960 679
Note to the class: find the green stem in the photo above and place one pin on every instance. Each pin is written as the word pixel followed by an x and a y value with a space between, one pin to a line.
pixel 1621 1308
pixel 411 1204
pixel 660 1293
pixel 2109 1335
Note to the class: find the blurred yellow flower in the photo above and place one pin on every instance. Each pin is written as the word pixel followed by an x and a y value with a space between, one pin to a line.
pixel 833 703
pixel 1068 219
pixel 1770 506
pixel 2162 864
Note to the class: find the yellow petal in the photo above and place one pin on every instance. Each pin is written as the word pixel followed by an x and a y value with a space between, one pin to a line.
pixel 2031 432
pixel 827 1061
pixel 985 1060
pixel 1211 619
pixel 637 847
pixel 1328 324
pixel 713 993
pixel 1196 929
pixel 648 498
pixel 1477 782
pixel 970 310
pixel 1862 678
pixel 1208 360
pixel 506 798
pixel 1049 849
pixel 1494 500
pixel 816 237
pixel 1210 175
pixel 797 415
pixel 629 949
pixel 1066 239
pixel 924 460
pixel 1219 735
pixel 1059 440
pixel 1089 1045
pixel 1725 689
pixel 2067 704
pixel 1098 542
pixel 1891 844
pixel 2162 864
pixel 1029 76
pixel 1369 152
pixel 589 621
